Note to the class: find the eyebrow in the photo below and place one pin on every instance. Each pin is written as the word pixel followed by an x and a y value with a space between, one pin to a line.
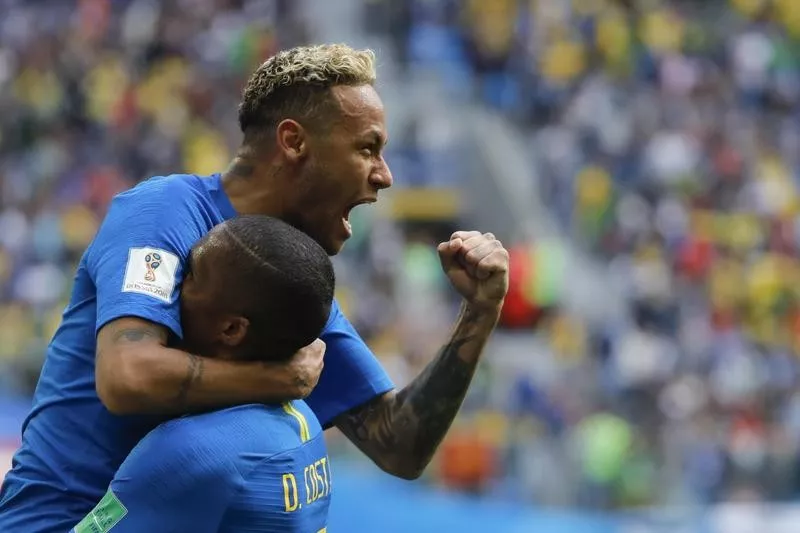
pixel 378 137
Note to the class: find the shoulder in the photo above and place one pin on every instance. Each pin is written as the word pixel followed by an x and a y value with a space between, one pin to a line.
pixel 212 429
pixel 164 212
pixel 181 462
pixel 176 190
pixel 193 446
pixel 170 183
pixel 254 428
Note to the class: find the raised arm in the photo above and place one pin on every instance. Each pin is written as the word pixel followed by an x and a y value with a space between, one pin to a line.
pixel 136 373
pixel 400 431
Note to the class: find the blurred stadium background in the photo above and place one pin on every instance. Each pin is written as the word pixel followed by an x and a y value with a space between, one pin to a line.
pixel 641 159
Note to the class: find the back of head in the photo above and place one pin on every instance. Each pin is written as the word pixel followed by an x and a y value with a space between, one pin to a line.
pixel 296 84
pixel 279 279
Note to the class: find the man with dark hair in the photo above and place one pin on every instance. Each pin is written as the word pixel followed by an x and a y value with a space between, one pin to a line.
pixel 314 132
pixel 272 276
pixel 257 290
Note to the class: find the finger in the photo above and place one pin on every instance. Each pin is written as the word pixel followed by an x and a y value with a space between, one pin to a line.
pixel 477 240
pixel 318 344
pixel 317 348
pixel 484 248
pixel 464 235
pixel 448 250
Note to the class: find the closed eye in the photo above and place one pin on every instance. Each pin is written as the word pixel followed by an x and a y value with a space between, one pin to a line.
pixel 372 150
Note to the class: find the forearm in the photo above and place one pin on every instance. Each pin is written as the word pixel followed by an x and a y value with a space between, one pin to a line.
pixel 162 380
pixel 137 374
pixel 401 431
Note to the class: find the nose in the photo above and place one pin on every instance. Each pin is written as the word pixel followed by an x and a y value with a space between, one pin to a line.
pixel 381 177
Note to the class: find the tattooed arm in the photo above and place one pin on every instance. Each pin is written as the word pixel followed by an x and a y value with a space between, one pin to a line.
pixel 400 431
pixel 136 373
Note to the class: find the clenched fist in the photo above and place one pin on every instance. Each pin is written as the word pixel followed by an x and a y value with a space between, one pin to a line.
pixel 477 265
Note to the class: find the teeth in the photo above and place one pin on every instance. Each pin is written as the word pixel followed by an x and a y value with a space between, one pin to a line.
pixel 348 226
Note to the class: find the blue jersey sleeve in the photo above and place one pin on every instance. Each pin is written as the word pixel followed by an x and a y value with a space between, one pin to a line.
pixel 137 258
pixel 168 484
pixel 352 375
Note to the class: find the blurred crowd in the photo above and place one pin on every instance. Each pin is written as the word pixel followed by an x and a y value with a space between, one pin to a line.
pixel 665 136
pixel 666 140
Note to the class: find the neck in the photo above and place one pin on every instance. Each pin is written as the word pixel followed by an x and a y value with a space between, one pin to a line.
pixel 253 187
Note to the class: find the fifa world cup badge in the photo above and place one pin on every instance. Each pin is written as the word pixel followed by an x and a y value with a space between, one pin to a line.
pixel 152 262
pixel 151 271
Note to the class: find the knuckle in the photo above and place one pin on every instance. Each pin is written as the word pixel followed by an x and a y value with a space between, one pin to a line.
pixel 464 234
pixel 477 241
pixel 481 250
pixel 486 262
pixel 495 261
pixel 471 245
pixel 468 248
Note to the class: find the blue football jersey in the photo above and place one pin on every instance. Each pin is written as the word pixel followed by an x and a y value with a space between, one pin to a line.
pixel 71 444
pixel 249 469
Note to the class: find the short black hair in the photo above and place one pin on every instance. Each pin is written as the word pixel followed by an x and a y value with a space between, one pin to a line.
pixel 280 279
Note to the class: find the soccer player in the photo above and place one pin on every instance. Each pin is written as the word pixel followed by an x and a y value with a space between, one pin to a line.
pixel 257 290
pixel 313 135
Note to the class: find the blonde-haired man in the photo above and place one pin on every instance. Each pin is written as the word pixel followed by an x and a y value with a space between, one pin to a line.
pixel 314 132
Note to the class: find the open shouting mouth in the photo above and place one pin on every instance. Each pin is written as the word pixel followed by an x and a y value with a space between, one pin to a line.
pixel 346 215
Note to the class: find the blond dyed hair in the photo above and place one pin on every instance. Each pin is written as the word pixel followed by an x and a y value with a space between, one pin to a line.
pixel 296 84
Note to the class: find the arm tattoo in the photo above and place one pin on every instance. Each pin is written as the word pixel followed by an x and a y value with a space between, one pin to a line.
pixel 138 334
pixel 436 397
pixel 194 374
pixel 402 431
pixel 146 333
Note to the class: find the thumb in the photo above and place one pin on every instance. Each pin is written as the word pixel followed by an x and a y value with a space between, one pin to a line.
pixel 319 346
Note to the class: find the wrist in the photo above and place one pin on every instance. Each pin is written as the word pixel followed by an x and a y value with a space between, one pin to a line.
pixel 483 311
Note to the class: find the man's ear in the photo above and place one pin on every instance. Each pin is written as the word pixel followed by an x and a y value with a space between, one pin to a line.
pixel 292 140
pixel 234 331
